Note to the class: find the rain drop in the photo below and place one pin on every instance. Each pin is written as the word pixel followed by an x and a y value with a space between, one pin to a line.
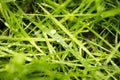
pixel 53 31
pixel 63 45
pixel 58 40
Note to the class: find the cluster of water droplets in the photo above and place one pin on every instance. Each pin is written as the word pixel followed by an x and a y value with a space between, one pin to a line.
pixel 53 32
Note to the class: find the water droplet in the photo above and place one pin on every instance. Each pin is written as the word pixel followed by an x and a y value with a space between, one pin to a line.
pixel 63 45
pixel 53 31
pixel 58 40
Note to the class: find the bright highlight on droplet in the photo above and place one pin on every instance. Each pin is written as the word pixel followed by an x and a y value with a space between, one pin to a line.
pixel 58 40
pixel 53 31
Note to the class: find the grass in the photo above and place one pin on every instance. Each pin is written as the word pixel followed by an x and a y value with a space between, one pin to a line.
pixel 59 40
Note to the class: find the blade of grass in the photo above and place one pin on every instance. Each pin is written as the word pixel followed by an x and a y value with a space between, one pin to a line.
pixel 68 33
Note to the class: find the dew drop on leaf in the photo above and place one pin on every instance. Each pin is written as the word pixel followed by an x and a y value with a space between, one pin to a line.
pixel 53 31
pixel 58 40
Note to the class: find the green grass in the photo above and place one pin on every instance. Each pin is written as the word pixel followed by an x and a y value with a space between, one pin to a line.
pixel 60 40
